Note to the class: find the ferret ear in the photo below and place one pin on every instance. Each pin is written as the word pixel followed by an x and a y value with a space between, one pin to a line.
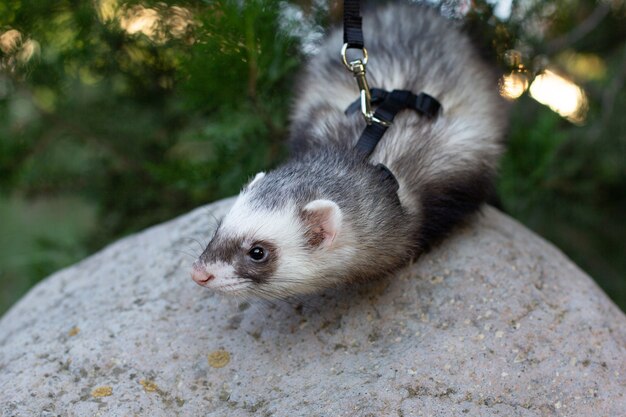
pixel 257 177
pixel 322 219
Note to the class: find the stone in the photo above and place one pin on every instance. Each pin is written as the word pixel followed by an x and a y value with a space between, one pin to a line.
pixel 494 321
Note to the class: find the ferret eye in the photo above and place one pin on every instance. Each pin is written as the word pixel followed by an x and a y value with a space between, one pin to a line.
pixel 257 254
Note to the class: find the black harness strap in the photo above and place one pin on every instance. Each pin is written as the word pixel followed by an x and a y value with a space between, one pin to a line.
pixel 352 32
pixel 424 104
pixel 391 103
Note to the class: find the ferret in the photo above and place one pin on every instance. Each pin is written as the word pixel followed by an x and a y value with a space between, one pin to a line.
pixel 328 216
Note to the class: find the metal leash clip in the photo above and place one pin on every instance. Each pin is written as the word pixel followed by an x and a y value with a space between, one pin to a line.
pixel 357 68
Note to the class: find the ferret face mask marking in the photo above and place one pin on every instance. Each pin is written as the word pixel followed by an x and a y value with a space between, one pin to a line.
pixel 230 264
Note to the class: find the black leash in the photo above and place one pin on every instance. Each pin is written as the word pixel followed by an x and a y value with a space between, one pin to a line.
pixel 352 32
pixel 389 103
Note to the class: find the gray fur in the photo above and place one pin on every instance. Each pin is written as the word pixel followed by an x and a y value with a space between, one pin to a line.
pixel 437 163
pixel 411 47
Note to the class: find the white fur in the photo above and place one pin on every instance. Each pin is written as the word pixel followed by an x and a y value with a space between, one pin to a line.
pixel 225 278
pixel 281 227
pixel 256 179
pixel 255 224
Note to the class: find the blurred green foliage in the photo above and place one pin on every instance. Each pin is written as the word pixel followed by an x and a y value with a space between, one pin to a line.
pixel 116 115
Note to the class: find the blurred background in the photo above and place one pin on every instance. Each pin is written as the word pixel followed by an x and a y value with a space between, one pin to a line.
pixel 116 115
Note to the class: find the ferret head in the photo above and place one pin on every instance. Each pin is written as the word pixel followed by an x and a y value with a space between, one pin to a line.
pixel 273 251
pixel 313 223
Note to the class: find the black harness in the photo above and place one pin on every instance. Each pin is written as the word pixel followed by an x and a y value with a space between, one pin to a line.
pixel 389 103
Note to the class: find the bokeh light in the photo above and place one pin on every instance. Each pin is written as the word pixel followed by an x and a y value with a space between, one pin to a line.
pixel 513 85
pixel 159 23
pixel 10 40
pixel 561 95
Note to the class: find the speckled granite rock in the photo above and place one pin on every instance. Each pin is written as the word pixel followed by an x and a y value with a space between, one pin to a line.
pixel 494 322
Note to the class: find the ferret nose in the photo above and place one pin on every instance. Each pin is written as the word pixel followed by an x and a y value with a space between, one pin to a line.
pixel 200 276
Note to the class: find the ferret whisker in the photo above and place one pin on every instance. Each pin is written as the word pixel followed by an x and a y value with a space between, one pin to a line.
pixel 288 297
pixel 267 299
pixel 198 242
pixel 184 253
pixel 194 251
pixel 272 296
pixel 216 221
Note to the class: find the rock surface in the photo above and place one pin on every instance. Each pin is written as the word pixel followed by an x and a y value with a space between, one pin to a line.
pixel 493 322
